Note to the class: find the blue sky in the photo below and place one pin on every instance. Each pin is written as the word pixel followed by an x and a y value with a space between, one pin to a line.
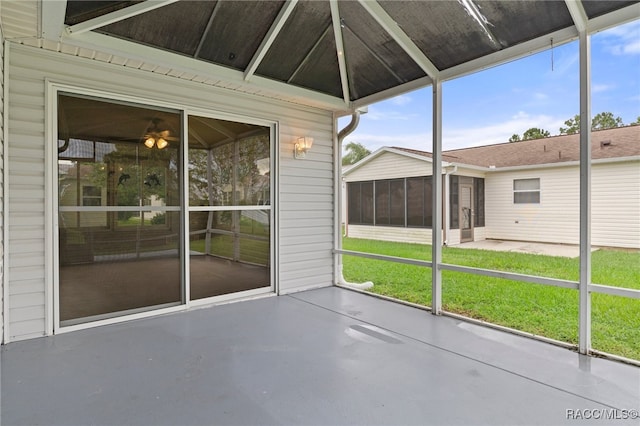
pixel 489 106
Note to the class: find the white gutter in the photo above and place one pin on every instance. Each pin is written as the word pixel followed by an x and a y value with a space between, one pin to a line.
pixel 355 120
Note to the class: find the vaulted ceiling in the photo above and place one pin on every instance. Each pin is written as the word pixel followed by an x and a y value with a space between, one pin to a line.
pixel 349 53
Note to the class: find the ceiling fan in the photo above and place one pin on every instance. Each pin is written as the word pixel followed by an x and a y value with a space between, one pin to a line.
pixel 155 136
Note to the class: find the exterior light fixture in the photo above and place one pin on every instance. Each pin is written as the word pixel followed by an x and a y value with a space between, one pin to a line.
pixel 301 147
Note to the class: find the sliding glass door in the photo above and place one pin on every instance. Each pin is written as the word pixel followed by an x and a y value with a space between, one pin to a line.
pixel 229 207
pixel 123 214
pixel 119 228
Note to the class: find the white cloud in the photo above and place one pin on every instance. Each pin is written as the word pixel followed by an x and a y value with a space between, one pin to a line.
pixel 376 113
pixel 401 100
pixel 599 88
pixel 463 137
pixel 498 132
pixel 623 40
pixel 539 96
pixel 629 48
pixel 421 141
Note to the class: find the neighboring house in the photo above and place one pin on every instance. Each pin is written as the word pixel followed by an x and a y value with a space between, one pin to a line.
pixel 525 191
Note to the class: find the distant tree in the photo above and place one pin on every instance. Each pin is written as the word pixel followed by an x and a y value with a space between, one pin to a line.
pixel 355 152
pixel 529 134
pixel 603 120
pixel 573 126
pixel 535 133
pixel 637 122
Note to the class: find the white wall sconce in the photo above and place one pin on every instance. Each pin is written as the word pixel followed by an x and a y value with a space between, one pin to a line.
pixel 301 147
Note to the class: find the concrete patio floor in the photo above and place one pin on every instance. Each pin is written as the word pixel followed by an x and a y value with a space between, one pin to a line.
pixel 324 357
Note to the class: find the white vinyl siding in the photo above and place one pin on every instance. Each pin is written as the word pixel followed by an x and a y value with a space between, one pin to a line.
pixel 408 235
pixel 615 201
pixel 305 186
pixel 615 204
pixel 388 233
pixel 390 165
pixel 20 19
pixel 554 219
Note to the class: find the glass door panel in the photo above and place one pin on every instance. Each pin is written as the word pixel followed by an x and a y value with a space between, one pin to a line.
pixel 466 213
pixel 119 227
pixel 230 207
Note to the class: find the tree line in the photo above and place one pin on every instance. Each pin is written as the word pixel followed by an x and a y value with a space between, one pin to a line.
pixel 601 121
pixel 355 151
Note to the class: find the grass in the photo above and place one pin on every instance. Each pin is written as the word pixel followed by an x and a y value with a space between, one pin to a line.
pixel 251 250
pixel 544 310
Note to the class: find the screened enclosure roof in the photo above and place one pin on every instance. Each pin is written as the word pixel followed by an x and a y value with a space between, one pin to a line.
pixel 341 54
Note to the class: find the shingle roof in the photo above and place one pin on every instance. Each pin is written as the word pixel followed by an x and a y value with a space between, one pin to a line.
pixel 611 143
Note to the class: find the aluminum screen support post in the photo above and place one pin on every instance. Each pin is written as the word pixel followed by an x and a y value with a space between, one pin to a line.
pixel 584 326
pixel 436 203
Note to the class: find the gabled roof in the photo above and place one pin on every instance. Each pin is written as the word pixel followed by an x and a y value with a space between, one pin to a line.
pixel 620 142
pixel 610 143
pixel 332 53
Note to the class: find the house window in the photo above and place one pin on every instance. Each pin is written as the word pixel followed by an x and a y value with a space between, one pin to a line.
pixel 526 191
pixel 91 195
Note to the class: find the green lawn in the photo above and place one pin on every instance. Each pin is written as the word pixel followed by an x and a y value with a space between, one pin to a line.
pixel 543 310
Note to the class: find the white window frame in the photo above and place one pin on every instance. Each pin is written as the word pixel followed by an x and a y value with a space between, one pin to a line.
pixel 527 191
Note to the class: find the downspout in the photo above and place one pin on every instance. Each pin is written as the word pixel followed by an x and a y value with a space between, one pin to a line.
pixel 445 204
pixel 355 120
pixel 349 128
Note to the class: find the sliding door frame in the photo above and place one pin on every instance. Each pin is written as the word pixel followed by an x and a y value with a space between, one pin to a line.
pixel 52 253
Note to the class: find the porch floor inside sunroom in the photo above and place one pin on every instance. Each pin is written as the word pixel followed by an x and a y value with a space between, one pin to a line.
pixel 328 356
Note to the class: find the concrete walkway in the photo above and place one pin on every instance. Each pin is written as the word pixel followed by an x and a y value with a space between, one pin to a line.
pixel 323 357
pixel 560 250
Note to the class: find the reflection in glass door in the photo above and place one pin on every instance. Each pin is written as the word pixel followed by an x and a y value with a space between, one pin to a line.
pixel 119 225
pixel 229 207
pixel 466 213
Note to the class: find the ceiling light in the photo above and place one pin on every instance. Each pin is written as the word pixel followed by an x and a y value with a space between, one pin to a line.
pixel 161 143
pixel 156 137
